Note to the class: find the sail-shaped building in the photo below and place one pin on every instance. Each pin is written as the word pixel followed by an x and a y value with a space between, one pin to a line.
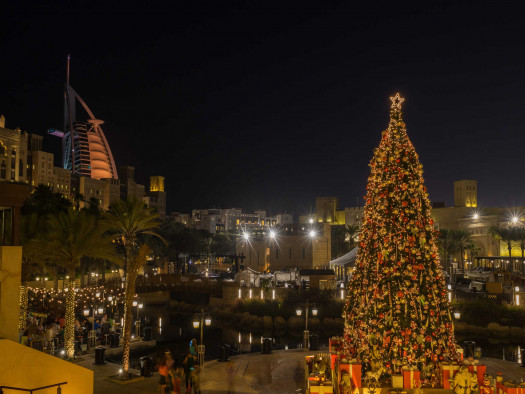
pixel 88 152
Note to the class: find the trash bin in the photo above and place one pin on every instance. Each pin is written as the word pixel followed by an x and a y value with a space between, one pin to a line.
pixel 114 340
pixel 469 347
pixel 522 361
pixel 224 353
pixel 267 345
pixel 99 355
pixel 314 342
pixel 146 366
pixel 147 334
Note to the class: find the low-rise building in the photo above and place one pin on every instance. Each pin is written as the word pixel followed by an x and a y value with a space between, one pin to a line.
pixel 295 248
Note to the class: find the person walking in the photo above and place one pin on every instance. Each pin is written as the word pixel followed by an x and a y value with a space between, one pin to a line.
pixel 177 377
pixel 189 366
pixel 165 382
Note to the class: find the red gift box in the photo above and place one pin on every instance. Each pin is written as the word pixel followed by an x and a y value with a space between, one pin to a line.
pixel 333 360
pixel 354 370
pixel 447 372
pixel 479 371
pixel 509 388
pixel 411 378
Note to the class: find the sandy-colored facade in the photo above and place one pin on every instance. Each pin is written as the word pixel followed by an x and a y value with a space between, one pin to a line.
pixel 287 250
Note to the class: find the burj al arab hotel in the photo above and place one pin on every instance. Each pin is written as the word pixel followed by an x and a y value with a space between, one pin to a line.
pixel 87 153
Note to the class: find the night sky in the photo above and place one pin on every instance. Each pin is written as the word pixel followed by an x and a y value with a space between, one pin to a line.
pixel 260 104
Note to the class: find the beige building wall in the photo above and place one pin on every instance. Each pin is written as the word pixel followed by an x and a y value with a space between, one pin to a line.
pixel 10 273
pixel 30 368
pixel 466 193
pixel 287 251
pixel 354 216
pixel 325 209
pixel 13 154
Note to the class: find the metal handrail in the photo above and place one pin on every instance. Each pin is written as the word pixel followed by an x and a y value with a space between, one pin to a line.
pixel 59 389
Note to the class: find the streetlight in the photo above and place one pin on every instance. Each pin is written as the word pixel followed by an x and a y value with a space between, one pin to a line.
pixel 312 233
pixel 306 333
pixel 311 220
pixel 200 320
pixel 272 234
pixel 246 236
pixel 457 315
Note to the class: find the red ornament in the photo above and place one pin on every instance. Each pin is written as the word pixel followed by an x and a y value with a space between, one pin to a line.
pixel 400 294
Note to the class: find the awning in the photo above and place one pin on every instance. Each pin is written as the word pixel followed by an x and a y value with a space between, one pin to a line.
pixel 347 260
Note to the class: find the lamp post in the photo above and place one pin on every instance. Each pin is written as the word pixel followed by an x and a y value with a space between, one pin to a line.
pixel 306 333
pixel 199 321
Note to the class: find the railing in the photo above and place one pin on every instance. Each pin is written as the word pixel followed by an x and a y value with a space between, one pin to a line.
pixel 57 385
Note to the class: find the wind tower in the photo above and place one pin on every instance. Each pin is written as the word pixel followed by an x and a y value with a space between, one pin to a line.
pixel 88 152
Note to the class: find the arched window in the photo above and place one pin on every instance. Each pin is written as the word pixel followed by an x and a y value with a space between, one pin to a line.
pixel 13 159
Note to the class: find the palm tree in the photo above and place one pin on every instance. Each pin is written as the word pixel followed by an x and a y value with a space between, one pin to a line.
pixel 135 263
pixel 72 236
pixel 446 244
pixel 127 221
pixel 352 233
pixel 462 241
pixel 505 235
pixel 519 238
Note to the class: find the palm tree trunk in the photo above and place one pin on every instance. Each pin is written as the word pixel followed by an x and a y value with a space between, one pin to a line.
pixel 69 330
pixel 128 311
pixel 55 278
pixel 22 325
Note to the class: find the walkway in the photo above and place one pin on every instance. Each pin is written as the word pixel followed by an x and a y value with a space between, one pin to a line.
pixel 279 372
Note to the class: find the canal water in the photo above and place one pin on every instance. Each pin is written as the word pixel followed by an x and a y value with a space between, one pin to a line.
pixel 175 333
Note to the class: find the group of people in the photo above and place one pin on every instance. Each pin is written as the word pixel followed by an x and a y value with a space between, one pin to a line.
pixel 180 377
pixel 49 329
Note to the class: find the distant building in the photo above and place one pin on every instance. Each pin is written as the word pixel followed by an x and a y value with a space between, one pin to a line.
pixel 182 218
pixel 235 220
pixel 87 153
pixel 156 196
pixel 466 193
pixel 289 249
pixel 13 153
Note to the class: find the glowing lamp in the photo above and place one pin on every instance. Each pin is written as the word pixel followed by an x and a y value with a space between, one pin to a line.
pixel 314 311
pixel 196 323
pixel 110 298
pixel 141 305
pixel 207 320
pixel 97 295
pixel 100 311
pixel 135 303
pixel 86 312
pixel 299 311
pixel 272 234
pixel 310 221
pixel 246 236
pixel 457 315
pixel 312 233
pixel 475 216
pixel 515 219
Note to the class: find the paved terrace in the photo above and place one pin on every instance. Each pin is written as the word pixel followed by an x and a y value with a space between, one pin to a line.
pixel 279 372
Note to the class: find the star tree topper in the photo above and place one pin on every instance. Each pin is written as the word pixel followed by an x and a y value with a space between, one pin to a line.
pixel 397 100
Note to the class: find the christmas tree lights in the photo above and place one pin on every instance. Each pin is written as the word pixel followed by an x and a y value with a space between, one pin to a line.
pixel 397 312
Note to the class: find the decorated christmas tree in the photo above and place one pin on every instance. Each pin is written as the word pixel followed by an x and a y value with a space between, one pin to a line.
pixel 397 311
